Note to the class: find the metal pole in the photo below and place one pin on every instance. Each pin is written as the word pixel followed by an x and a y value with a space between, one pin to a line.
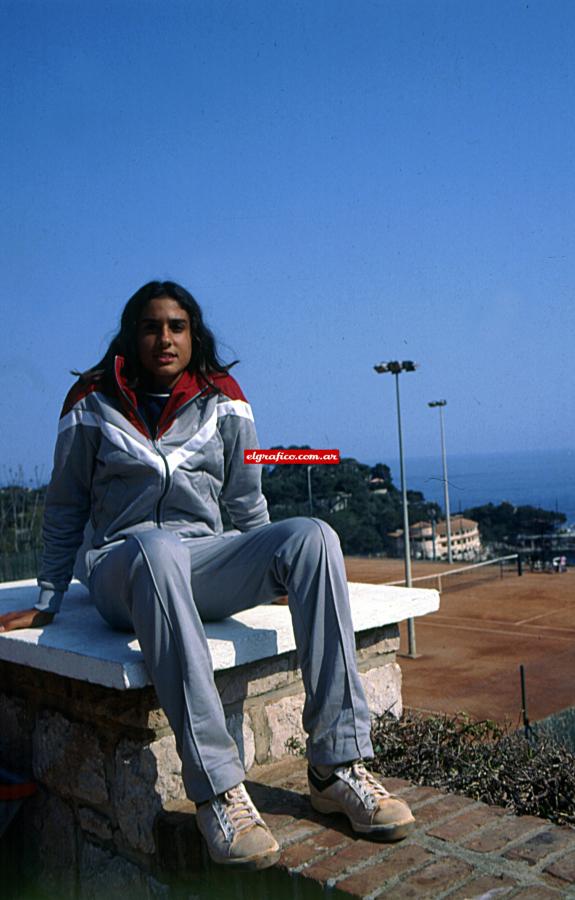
pixel 309 496
pixel 411 651
pixel 445 488
pixel 526 722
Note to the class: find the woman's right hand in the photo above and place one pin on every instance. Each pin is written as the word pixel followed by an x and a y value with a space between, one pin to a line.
pixel 25 618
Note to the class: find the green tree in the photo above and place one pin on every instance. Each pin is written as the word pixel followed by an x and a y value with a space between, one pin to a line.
pixel 502 524
pixel 21 510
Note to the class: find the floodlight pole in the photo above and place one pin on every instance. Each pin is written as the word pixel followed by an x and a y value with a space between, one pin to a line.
pixel 406 537
pixel 441 404
pixel 395 368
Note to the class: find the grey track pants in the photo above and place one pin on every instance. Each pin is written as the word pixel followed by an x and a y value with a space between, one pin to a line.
pixel 163 588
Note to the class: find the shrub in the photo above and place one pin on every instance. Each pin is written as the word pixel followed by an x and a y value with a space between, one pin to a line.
pixel 482 760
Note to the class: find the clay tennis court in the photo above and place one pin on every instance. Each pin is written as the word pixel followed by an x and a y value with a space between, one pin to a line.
pixel 471 649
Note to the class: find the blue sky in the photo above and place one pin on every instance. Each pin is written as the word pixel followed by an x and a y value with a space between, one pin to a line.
pixel 337 183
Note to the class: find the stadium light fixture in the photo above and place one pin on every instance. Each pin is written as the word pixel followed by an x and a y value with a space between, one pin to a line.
pixel 394 368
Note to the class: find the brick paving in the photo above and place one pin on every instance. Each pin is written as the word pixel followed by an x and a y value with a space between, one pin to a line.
pixel 460 849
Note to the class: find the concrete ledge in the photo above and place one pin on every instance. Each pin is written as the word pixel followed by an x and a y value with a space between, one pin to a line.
pixel 80 645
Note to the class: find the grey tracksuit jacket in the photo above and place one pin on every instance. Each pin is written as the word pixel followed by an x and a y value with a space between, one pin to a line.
pixel 110 470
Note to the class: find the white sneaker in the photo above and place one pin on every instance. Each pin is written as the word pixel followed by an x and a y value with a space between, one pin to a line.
pixel 355 792
pixel 235 833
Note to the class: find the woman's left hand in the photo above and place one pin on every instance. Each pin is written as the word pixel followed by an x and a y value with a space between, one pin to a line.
pixel 25 618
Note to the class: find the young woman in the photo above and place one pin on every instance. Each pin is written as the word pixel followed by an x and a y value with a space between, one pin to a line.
pixel 150 440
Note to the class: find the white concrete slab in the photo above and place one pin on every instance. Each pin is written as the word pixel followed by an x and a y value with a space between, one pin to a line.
pixel 79 644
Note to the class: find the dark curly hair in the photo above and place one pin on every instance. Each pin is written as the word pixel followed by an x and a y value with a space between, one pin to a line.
pixel 204 361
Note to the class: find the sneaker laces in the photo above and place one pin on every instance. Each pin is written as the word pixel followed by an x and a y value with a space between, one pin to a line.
pixel 370 791
pixel 236 811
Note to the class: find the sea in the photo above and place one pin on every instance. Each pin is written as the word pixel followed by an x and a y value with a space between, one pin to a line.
pixel 543 478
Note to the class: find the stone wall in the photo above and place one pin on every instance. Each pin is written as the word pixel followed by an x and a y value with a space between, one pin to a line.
pixel 106 762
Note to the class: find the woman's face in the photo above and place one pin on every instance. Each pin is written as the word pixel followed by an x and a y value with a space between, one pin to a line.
pixel 164 342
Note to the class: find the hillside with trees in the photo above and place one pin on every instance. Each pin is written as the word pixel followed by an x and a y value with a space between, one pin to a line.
pixel 500 525
pixel 21 508
pixel 359 501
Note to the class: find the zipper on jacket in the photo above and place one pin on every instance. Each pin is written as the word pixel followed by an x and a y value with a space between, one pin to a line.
pixel 155 442
pixel 166 485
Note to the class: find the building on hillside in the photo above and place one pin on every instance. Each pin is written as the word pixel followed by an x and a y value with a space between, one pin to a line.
pixel 339 502
pixel 378 486
pixel 429 540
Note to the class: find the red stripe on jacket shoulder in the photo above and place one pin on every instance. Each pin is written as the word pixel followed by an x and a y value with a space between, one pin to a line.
pixel 78 392
pixel 228 385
